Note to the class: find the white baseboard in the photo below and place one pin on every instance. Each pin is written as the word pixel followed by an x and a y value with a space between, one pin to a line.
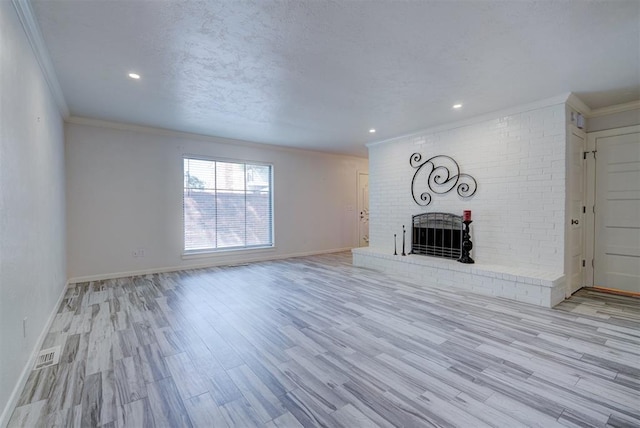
pixel 22 380
pixel 209 263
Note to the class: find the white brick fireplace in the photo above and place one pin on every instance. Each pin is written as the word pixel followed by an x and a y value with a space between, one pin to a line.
pixel 518 210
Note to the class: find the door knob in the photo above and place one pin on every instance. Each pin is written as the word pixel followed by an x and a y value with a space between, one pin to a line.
pixel 574 221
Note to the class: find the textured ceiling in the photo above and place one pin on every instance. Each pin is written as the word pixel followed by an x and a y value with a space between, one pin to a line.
pixel 318 74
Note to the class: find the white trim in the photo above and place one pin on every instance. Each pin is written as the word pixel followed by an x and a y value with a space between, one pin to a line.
pixel 218 250
pixel 32 30
pixel 589 217
pixel 121 126
pixel 561 99
pixel 590 188
pixel 577 104
pixel 619 108
pixel 209 158
pixel 28 367
pixel 212 263
pixel 203 254
pixel 580 133
pixel 613 132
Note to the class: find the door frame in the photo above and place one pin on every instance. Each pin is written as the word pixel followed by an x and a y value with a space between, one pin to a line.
pixel 574 130
pixel 590 216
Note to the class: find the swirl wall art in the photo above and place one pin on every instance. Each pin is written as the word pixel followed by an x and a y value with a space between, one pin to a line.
pixel 438 175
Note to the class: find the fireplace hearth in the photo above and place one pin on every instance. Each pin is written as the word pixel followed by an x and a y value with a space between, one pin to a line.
pixel 437 235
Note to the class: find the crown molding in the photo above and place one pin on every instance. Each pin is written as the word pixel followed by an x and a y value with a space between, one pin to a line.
pixel 618 108
pixel 548 102
pixel 32 30
pixel 577 104
pixel 144 129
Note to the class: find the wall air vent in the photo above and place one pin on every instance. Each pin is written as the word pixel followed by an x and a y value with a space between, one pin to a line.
pixel 47 357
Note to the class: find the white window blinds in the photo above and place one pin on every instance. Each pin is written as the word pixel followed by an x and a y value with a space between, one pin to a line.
pixel 227 205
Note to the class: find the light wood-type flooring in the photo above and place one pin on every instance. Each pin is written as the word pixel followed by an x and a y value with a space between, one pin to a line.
pixel 314 341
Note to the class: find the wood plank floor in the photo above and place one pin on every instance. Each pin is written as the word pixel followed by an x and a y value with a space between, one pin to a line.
pixel 315 341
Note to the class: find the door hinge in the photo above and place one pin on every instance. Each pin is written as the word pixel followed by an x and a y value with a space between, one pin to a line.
pixel 583 263
pixel 584 209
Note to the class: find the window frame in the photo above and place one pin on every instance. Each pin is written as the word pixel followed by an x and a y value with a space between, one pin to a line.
pixel 204 252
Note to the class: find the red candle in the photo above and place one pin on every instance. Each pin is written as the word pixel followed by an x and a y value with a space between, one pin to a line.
pixel 466 216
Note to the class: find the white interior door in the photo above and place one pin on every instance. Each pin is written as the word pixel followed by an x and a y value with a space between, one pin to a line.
pixel 576 201
pixel 617 211
pixel 363 209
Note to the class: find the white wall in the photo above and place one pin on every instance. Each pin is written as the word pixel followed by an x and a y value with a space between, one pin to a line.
pixel 518 161
pixel 32 217
pixel 124 190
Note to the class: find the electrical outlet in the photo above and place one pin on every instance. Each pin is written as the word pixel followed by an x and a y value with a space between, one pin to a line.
pixel 138 252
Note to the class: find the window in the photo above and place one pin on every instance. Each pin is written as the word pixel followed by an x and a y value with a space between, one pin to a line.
pixel 226 205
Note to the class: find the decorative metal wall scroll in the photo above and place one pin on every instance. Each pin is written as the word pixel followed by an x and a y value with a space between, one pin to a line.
pixel 439 174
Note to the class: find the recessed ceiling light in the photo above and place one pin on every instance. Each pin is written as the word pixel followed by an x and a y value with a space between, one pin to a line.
pixel 457 106
pixel 134 76
pixel 372 131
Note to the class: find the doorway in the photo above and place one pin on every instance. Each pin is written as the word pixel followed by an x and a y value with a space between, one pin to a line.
pixel 614 189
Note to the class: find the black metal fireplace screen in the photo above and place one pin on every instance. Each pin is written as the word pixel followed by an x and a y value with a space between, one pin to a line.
pixel 437 234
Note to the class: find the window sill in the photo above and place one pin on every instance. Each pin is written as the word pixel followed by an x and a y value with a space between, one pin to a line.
pixel 224 252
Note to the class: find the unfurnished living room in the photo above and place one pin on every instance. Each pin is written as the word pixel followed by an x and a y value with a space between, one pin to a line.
pixel 319 213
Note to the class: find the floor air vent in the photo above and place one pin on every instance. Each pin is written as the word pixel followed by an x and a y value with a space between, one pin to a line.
pixel 47 357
